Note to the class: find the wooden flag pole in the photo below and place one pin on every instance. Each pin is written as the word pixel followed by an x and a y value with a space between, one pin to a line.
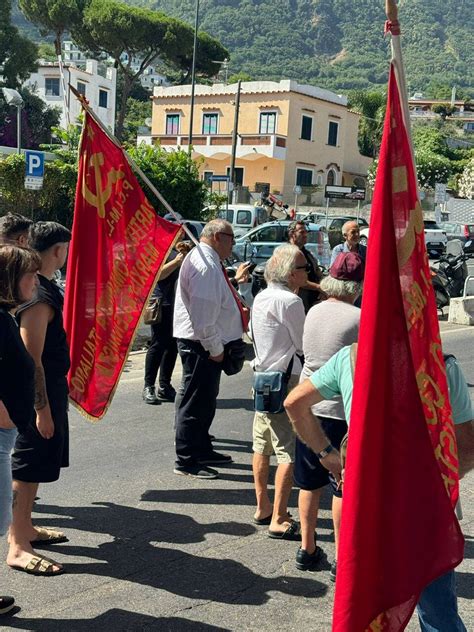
pixel 133 164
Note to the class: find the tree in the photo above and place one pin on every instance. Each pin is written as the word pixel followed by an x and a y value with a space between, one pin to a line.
pixel 129 34
pixel 17 54
pixel 466 181
pixel 176 176
pixel 371 107
pixel 54 202
pixel 137 113
pixel 53 16
pixel 37 120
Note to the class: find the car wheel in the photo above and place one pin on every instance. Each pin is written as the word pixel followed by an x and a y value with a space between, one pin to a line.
pixel 363 240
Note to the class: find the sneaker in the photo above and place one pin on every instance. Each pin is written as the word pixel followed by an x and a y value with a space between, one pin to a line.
pixel 308 561
pixel 167 393
pixel 332 572
pixel 149 396
pixel 6 604
pixel 197 472
pixel 216 458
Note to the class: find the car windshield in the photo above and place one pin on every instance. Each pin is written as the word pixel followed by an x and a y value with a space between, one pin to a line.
pixel 432 225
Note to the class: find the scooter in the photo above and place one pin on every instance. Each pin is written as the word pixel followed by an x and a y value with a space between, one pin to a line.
pixel 450 276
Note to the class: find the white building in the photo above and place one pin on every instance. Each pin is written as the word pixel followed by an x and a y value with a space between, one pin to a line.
pixel 99 90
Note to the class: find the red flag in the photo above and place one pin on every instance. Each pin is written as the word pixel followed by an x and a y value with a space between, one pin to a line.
pixel 118 245
pixel 399 531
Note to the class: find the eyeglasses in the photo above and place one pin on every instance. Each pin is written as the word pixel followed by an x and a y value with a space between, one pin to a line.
pixel 231 235
pixel 306 267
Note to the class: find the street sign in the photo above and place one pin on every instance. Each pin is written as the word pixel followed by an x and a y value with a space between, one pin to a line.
pixel 348 193
pixel 297 189
pixel 34 170
pixel 219 178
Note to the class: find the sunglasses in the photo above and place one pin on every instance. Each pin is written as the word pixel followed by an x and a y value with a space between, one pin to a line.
pixel 231 235
pixel 306 267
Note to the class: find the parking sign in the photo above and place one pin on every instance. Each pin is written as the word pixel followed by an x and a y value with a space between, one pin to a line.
pixel 34 169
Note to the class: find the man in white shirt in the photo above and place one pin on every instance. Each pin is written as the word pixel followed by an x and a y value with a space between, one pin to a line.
pixel 277 332
pixel 206 317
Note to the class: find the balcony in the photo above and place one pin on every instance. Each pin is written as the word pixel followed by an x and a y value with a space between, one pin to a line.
pixel 219 146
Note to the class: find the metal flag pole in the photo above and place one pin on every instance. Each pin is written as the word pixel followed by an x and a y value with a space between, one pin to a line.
pixel 63 83
pixel 133 164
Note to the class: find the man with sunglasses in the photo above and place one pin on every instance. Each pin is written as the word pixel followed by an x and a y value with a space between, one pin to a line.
pixel 206 317
pixel 310 293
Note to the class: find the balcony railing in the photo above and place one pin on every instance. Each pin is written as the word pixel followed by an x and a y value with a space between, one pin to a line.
pixel 223 140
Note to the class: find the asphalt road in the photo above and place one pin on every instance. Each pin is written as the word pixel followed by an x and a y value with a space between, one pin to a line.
pixel 149 550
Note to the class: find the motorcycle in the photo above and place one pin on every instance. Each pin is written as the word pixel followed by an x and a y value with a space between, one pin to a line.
pixel 450 276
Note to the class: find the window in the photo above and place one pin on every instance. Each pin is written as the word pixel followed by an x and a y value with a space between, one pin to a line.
pixel 172 124
pixel 331 178
pixel 103 98
pixel 304 177
pixel 332 133
pixel 206 176
pixel 267 123
pixel 209 123
pixel 238 175
pixel 306 127
pixel 51 87
pixel 244 217
pixel 81 88
pixel 269 233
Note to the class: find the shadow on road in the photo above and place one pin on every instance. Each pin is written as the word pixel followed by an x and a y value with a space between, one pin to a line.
pixel 234 403
pixel 134 554
pixel 116 620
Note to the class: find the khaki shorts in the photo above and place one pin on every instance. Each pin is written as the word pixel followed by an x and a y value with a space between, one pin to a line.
pixel 274 434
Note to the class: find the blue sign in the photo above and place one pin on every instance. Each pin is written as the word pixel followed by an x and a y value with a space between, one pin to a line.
pixel 34 163
pixel 220 178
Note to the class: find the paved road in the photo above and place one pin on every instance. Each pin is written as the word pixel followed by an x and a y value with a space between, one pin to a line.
pixel 152 551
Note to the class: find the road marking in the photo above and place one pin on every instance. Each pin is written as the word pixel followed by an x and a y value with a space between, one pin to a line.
pixel 453 331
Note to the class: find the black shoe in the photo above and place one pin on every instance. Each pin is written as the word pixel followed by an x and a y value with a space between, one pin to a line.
pixel 332 572
pixel 166 393
pixel 215 458
pixel 197 472
pixel 149 396
pixel 308 561
pixel 6 604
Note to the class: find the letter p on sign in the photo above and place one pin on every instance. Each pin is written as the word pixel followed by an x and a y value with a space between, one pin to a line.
pixel 34 163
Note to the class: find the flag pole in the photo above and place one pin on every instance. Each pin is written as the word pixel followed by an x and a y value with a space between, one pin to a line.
pixel 133 164
pixel 392 25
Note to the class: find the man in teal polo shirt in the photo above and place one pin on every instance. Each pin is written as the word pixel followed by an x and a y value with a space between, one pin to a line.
pixel 437 607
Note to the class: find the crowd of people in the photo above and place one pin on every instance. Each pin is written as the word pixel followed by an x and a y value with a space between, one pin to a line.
pixel 302 326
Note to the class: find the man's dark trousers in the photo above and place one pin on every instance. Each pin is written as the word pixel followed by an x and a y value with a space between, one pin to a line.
pixel 195 403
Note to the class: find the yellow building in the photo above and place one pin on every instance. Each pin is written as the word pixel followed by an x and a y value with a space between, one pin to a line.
pixel 288 134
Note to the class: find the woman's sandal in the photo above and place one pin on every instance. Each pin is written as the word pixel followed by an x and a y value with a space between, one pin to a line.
pixel 40 566
pixel 46 537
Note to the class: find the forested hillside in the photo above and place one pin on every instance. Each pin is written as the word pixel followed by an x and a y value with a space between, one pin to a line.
pixel 338 44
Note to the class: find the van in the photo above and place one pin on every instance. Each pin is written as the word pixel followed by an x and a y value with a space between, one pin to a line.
pixel 243 217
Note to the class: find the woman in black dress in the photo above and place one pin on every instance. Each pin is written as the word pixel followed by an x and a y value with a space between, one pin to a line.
pixel 18 283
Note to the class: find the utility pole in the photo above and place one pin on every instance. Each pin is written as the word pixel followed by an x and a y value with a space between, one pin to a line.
pixel 234 138
pixel 193 78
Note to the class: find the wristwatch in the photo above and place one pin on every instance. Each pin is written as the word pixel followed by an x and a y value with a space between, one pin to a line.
pixel 323 454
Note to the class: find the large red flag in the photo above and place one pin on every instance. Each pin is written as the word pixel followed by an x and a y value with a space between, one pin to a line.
pixel 118 245
pixel 399 530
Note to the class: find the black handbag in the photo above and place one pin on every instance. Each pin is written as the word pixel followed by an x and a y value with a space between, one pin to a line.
pixel 234 356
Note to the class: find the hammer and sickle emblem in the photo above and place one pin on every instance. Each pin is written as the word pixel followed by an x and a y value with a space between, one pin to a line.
pixel 100 198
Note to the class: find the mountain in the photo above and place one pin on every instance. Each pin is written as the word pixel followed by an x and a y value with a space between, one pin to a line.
pixel 338 44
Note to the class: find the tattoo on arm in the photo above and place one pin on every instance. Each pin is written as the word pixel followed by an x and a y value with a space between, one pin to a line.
pixel 41 399
pixel 15 494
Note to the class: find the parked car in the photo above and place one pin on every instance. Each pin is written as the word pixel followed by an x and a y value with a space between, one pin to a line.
pixel 463 232
pixel 435 237
pixel 259 243
pixel 243 217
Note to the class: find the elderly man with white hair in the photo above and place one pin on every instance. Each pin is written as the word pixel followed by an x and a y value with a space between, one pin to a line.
pixel 207 316
pixel 277 332
pixel 351 234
